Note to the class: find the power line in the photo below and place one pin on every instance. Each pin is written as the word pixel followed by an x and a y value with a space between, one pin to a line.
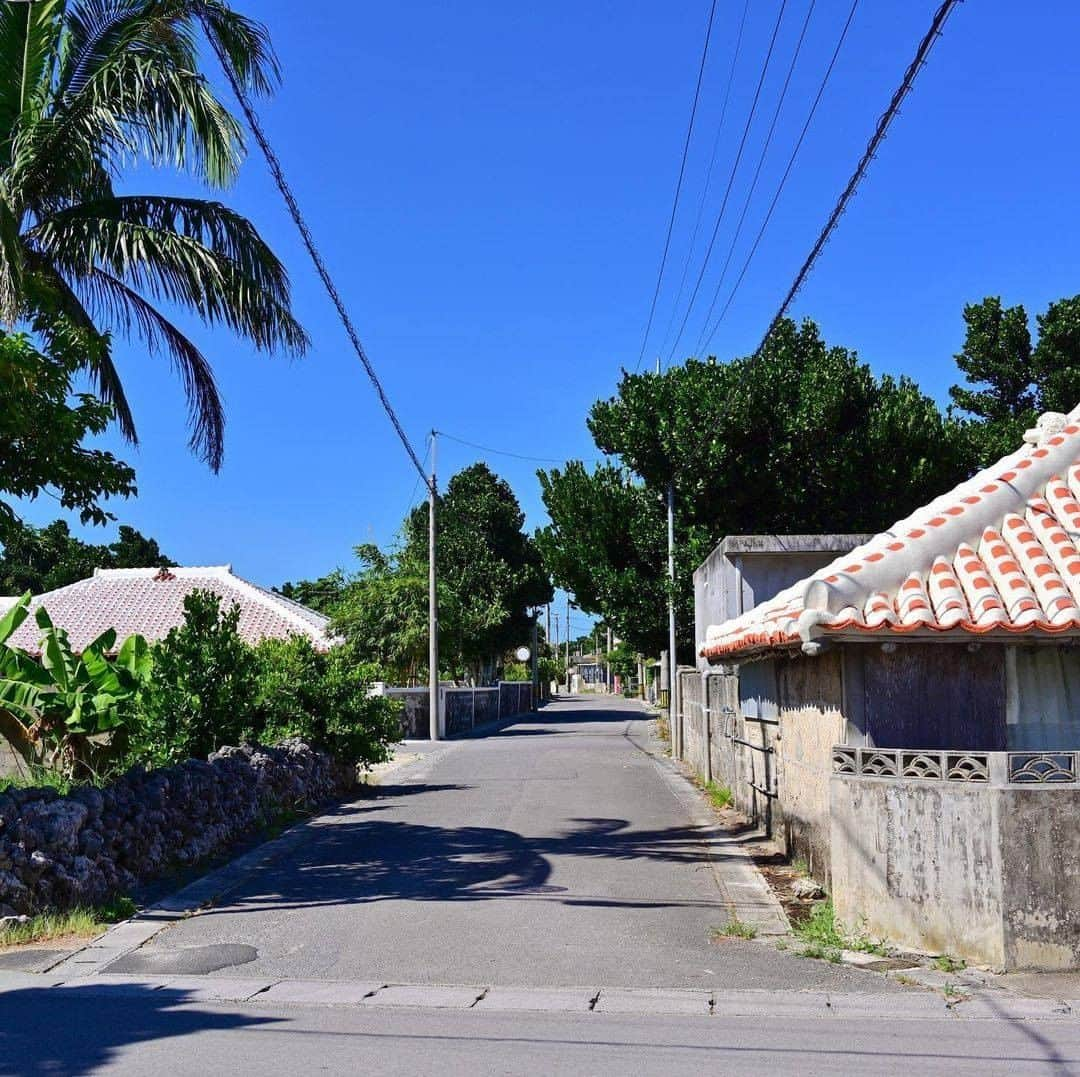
pixel 757 171
pixel 504 452
pixel 886 119
pixel 731 179
pixel 784 177
pixel 708 180
pixel 309 242
pixel 679 183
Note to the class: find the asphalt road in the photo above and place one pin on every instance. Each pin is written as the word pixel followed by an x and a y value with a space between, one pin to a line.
pixel 552 853
pixel 63 1032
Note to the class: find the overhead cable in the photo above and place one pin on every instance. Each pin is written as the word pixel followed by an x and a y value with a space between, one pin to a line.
pixel 757 171
pixel 309 242
pixel 731 179
pixel 679 183
pixel 784 178
pixel 886 119
pixel 708 181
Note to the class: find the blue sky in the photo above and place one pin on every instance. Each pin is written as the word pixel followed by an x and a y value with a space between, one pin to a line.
pixel 490 184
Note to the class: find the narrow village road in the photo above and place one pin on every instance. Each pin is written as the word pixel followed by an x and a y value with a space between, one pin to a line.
pixel 558 851
pixel 564 872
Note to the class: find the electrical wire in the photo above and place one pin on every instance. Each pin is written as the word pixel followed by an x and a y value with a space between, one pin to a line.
pixel 679 183
pixel 278 175
pixel 504 452
pixel 757 172
pixel 708 182
pixel 731 179
pixel 784 178
pixel 927 43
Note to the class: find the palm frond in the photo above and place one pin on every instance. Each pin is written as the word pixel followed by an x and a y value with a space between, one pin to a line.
pixel 54 297
pixel 244 42
pixel 129 311
pixel 196 253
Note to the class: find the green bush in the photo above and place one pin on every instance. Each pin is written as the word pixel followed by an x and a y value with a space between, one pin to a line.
pixel 323 698
pixel 201 694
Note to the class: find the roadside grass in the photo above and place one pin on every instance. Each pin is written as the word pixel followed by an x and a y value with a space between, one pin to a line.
pixel 946 963
pixel 823 937
pixel 663 730
pixel 719 795
pixel 37 778
pixel 735 929
pixel 78 923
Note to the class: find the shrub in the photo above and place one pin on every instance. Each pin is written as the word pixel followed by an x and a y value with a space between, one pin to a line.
pixel 323 698
pixel 202 692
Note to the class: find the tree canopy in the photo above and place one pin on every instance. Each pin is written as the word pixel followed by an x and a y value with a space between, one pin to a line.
pixel 44 425
pixel 1010 380
pixel 88 88
pixel 39 559
pixel 802 438
pixel 490 575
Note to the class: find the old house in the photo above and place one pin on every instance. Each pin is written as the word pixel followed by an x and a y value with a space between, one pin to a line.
pixel 912 711
pixel 150 601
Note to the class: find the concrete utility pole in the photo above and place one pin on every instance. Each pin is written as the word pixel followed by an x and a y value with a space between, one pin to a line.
pixel 535 660
pixel 568 644
pixel 433 608
pixel 673 691
pixel 607 671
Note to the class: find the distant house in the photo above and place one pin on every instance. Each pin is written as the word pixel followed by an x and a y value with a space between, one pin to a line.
pixel 914 707
pixel 150 601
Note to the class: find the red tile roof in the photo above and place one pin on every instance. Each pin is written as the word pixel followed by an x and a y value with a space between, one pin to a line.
pixel 996 554
pixel 150 601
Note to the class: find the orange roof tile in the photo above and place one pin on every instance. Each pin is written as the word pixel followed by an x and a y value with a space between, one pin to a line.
pixel 996 554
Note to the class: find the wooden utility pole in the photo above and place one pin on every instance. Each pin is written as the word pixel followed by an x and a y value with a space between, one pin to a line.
pixel 433 607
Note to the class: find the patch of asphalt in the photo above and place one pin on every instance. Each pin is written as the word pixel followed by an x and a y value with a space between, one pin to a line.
pixel 749 897
pixel 122 939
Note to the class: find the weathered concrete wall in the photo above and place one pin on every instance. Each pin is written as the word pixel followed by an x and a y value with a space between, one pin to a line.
pixel 918 863
pixel 811 722
pixel 744 570
pixel 1040 853
pixel 987 873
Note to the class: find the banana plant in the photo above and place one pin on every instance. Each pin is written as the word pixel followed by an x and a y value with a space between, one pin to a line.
pixel 70 712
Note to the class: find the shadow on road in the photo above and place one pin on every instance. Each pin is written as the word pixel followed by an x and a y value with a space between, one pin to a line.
pixel 63 1032
pixel 369 860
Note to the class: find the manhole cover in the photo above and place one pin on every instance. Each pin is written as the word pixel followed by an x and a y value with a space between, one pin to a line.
pixel 186 960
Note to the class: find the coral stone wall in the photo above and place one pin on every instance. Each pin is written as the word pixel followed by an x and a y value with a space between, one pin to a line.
pixel 61 851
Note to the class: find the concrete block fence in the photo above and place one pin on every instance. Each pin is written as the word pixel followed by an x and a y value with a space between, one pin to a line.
pixel 461 709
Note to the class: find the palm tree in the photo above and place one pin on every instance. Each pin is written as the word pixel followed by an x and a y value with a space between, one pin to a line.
pixel 87 88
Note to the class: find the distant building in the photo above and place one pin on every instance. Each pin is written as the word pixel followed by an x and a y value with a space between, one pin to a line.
pixel 150 602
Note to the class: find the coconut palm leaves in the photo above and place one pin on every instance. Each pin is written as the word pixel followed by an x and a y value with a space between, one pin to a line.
pixel 87 88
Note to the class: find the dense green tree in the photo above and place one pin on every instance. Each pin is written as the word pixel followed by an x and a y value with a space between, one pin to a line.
pixel 44 425
pixel 202 692
pixel 606 543
pixel 88 88
pixel 490 575
pixel 321 595
pixel 383 611
pixel 38 559
pixel 1010 381
pixel 803 438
